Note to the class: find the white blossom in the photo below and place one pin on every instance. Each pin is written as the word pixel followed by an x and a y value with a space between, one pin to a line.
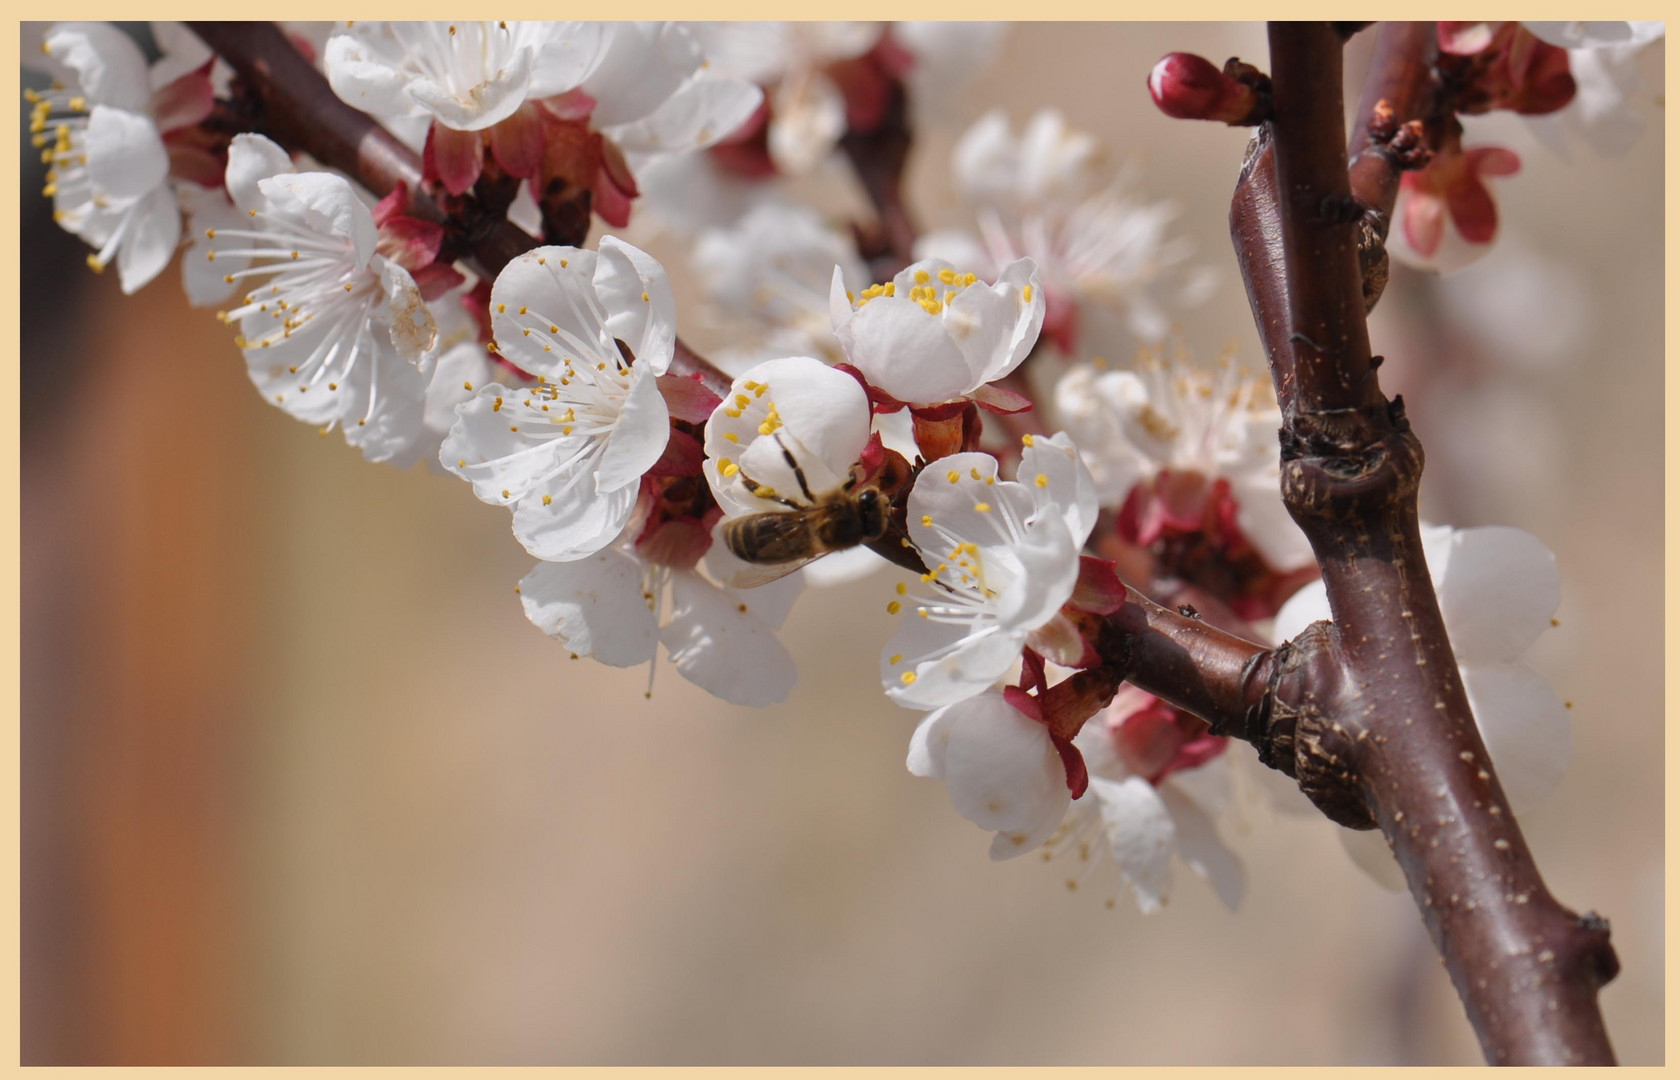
pixel 1142 823
pixel 1498 588
pixel 109 175
pixel 618 608
pixel 1169 417
pixel 807 109
pixel 1002 558
pixel 1618 72
pixel 796 407
pixel 333 332
pixel 466 75
pixel 568 453
pixel 766 280
pixel 1000 768
pixel 656 95
pixel 1110 272
pixel 947 59
pixel 935 333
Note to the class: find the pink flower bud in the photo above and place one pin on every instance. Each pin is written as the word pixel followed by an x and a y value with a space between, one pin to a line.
pixel 1187 87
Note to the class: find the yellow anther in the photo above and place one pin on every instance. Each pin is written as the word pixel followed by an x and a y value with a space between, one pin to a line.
pixel 501 309
pixel 953 476
pixel 909 676
pixel 1026 440
pixel 731 436
pixel 466 386
pixel 553 329
pixel 892 607
pixel 95 265
pixel 644 296
pixel 728 468
pixel 948 276
pixel 742 401
pixel 547 499
pixel 895 658
pixel 1026 293
pixel 983 508
pixel 1041 480
pixel 927 521
pixel 921 277
pixel 522 311
pixel 505 493
pixel 974 473
pixel 562 264
pixel 969 279
pixel 461 463
pixel 902 588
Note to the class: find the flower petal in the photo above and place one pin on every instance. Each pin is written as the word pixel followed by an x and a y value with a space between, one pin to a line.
pixel 107 62
pixel 151 239
pixel 549 286
pixel 719 644
pixel 1200 846
pixel 899 347
pixel 594 607
pixel 1068 486
pixel 251 160
pixel 1525 727
pixel 1140 834
pixel 639 437
pixel 1000 767
pixel 126 155
pixel 947 661
pixel 576 521
pixel 1498 590
pixel 636 294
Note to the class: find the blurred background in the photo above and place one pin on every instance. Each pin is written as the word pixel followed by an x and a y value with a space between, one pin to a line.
pixel 302 785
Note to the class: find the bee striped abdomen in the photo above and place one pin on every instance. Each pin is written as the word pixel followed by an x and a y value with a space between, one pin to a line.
pixel 772 537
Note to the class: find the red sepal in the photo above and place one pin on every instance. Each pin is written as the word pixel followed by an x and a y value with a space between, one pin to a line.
pixel 682 457
pixel 687 399
pixel 1032 671
pixel 454 158
pixel 410 242
pixel 1073 764
pixel 1099 589
pixel 1025 702
pixel 951 427
pixel 394 203
pixel 997 399
pixel 881 401
pixel 434 280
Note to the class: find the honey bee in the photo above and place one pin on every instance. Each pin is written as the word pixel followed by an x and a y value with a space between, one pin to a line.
pixel 779 542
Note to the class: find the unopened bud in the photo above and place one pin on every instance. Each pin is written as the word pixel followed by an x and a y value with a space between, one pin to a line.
pixel 1187 87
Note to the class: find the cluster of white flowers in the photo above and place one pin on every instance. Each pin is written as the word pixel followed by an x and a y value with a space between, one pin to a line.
pixel 1110 270
pixel 661 514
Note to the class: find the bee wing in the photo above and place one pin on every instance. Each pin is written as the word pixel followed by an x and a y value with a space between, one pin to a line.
pixel 745 575
pixel 729 569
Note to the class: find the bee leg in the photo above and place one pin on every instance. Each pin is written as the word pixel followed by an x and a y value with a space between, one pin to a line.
pixel 753 486
pixel 798 473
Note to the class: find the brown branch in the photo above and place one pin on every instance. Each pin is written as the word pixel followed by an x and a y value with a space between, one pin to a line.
pixel 1187 662
pixel 878 157
pixel 1368 713
pixel 299 110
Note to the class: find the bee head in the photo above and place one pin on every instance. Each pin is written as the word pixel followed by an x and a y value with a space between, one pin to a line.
pixel 872 513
